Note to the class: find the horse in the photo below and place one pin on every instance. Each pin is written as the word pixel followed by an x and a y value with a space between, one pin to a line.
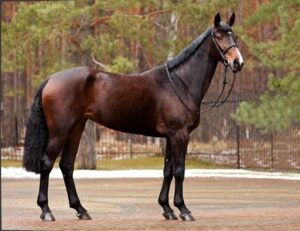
pixel 163 102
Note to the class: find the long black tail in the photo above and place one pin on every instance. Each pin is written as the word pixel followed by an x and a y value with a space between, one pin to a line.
pixel 36 137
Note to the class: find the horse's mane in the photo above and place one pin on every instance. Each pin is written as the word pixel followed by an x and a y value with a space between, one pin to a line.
pixel 189 50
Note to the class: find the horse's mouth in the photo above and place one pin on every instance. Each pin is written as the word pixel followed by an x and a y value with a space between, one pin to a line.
pixel 236 67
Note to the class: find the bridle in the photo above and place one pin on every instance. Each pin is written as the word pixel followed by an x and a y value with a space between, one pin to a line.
pixel 218 102
pixel 222 53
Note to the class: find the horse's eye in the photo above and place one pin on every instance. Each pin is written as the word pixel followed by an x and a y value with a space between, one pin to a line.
pixel 219 37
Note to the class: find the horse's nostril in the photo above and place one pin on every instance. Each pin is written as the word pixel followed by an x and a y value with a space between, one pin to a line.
pixel 236 63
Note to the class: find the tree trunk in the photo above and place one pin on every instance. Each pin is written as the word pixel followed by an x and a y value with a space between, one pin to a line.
pixel 87 148
pixel 8 117
pixel 172 31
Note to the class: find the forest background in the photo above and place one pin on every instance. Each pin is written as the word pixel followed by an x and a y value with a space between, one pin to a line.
pixel 39 38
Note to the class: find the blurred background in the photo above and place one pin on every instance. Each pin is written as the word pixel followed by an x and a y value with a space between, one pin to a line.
pixel 257 128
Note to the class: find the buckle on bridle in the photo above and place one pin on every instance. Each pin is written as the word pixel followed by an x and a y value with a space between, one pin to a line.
pixel 226 62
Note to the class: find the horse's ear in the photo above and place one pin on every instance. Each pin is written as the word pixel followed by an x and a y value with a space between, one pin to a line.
pixel 230 21
pixel 217 19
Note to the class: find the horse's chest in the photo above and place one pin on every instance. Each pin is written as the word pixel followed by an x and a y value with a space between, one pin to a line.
pixel 194 121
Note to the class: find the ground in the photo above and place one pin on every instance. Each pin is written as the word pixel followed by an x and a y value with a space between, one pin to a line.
pixel 131 204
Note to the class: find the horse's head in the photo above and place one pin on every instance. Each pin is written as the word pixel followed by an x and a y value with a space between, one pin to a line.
pixel 224 43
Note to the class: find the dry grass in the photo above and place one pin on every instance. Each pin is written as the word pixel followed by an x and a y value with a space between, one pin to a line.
pixel 149 162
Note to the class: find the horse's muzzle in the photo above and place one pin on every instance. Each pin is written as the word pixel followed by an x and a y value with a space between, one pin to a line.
pixel 237 65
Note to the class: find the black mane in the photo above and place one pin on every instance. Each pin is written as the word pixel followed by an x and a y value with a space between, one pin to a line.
pixel 192 48
pixel 189 50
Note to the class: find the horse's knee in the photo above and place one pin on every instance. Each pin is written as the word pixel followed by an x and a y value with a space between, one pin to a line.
pixel 179 173
pixel 168 174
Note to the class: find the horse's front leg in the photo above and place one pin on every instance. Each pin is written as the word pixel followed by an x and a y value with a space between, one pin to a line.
pixel 163 199
pixel 179 143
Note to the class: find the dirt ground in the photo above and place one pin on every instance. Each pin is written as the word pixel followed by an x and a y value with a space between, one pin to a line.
pixel 131 204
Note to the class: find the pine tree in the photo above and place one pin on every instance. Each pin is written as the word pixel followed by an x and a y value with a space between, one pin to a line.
pixel 278 107
pixel 126 36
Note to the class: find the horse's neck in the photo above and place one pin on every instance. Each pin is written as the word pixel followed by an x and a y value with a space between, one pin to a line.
pixel 198 72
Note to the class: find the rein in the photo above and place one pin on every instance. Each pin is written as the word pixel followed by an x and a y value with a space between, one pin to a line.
pixel 175 89
pixel 218 102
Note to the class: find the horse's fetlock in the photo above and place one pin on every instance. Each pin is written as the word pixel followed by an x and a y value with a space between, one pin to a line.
pixel 77 206
pixel 163 202
pixel 42 201
pixel 74 203
pixel 178 203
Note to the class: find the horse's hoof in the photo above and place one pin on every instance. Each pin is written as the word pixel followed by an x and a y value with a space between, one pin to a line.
pixel 84 216
pixel 47 216
pixel 170 216
pixel 187 217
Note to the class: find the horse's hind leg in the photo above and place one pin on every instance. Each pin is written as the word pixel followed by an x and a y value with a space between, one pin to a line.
pixel 66 165
pixel 163 199
pixel 48 159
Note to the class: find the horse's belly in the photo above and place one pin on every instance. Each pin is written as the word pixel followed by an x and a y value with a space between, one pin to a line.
pixel 129 126
pixel 126 119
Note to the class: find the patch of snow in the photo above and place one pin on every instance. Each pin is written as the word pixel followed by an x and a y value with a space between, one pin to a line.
pixel 20 173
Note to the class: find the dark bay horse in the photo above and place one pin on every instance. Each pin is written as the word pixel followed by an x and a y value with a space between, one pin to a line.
pixel 163 102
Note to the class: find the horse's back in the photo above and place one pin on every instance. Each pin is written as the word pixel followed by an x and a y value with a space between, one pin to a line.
pixel 121 102
pixel 69 77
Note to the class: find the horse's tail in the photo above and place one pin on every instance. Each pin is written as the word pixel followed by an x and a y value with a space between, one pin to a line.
pixel 36 137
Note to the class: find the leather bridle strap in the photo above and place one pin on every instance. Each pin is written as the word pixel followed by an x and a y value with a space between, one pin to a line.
pixel 175 89
pixel 220 102
pixel 222 53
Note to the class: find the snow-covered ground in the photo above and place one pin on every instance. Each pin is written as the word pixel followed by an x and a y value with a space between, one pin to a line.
pixel 20 173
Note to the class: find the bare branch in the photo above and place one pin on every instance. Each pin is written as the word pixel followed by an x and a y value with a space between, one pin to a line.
pixel 151 14
pixel 98 63
pixel 100 20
